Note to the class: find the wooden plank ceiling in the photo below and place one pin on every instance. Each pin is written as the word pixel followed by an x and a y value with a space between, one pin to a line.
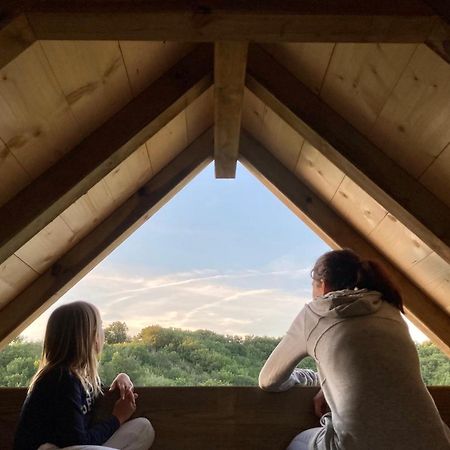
pixel 104 106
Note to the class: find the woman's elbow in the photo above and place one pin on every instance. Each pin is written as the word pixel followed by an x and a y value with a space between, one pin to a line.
pixel 266 384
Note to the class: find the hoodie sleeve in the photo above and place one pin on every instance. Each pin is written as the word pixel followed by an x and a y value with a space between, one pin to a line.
pixel 71 427
pixel 279 372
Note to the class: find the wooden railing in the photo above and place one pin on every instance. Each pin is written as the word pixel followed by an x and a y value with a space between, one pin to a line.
pixel 211 418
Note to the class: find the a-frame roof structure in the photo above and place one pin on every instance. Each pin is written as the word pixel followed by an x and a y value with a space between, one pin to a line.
pixel 108 108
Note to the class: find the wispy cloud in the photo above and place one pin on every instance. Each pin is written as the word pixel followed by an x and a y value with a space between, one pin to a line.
pixel 248 302
pixel 241 302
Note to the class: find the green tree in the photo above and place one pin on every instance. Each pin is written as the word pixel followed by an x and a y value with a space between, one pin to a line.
pixel 174 357
pixel 116 333
pixel 434 365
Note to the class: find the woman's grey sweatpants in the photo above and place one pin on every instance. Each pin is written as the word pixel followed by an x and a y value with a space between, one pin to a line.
pixel 137 434
pixel 302 440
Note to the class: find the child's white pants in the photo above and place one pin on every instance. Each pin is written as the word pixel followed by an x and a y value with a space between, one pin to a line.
pixel 137 434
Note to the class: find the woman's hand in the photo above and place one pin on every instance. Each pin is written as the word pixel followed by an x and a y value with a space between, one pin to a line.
pixel 320 404
pixel 123 383
pixel 125 407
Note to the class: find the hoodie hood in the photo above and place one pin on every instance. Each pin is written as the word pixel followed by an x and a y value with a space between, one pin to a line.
pixel 347 303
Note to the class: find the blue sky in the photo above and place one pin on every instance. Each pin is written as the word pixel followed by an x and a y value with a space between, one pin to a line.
pixel 225 255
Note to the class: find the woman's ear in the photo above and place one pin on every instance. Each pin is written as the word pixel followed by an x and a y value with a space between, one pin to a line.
pixel 326 288
pixel 318 288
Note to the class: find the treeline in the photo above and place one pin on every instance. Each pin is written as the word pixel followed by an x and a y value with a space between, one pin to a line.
pixel 173 357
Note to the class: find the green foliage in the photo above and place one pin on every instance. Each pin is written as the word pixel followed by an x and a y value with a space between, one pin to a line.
pixel 116 333
pixel 434 364
pixel 174 357
pixel 18 363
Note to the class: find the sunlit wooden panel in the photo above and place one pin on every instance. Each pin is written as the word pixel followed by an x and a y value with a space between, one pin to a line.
pixel 252 114
pixel 357 207
pixel 360 79
pixel 279 138
pixel 168 142
pixel 413 127
pixel 200 115
pixel 433 276
pixel 130 175
pixel 147 61
pixel 12 175
pixel 307 61
pixel 89 210
pixel 398 243
pixel 15 275
pixel 318 172
pixel 93 78
pixel 437 177
pixel 36 123
pixel 80 216
pixel 100 199
pixel 47 245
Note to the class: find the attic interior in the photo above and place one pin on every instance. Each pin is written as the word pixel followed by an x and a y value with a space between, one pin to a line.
pixel 109 108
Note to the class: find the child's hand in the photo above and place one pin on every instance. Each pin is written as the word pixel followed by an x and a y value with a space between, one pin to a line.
pixel 124 408
pixel 123 383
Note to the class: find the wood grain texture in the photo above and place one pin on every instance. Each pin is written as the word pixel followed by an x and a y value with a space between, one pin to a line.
pixel 146 61
pixel 431 318
pixel 318 172
pixel 86 254
pixel 412 128
pixel 230 60
pixel 360 79
pixel 306 61
pixel 93 78
pixel 15 276
pixel 386 182
pixel 436 177
pixel 97 155
pixel 212 20
pixel 13 175
pixel 273 133
pixel 433 275
pixel 36 123
pixel 202 418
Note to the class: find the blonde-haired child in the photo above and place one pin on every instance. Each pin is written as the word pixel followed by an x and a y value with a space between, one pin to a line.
pixel 57 410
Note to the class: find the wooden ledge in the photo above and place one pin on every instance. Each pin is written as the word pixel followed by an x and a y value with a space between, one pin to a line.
pixel 222 418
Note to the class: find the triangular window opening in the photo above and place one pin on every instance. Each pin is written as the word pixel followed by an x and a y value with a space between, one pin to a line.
pixel 223 256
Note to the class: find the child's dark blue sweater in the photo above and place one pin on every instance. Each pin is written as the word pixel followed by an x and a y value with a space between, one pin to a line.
pixel 58 411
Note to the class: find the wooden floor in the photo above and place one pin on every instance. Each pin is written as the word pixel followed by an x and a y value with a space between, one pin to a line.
pixel 212 418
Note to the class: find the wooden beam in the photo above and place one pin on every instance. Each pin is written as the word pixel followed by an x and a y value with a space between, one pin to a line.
pixel 230 60
pixel 85 255
pixel 439 40
pixel 16 36
pixel 49 195
pixel 390 185
pixel 213 20
pixel 433 320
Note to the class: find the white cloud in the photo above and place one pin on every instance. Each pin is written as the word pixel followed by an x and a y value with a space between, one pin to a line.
pixel 253 302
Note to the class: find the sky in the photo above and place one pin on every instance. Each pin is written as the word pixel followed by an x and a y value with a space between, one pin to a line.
pixel 224 255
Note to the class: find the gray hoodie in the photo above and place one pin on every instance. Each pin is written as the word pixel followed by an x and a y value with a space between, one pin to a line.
pixel 369 372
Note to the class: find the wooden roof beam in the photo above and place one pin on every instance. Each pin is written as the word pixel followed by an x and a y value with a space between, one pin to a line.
pixel 230 60
pixel 439 39
pixel 49 195
pixel 86 254
pixel 16 36
pixel 331 227
pixel 213 20
pixel 391 186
